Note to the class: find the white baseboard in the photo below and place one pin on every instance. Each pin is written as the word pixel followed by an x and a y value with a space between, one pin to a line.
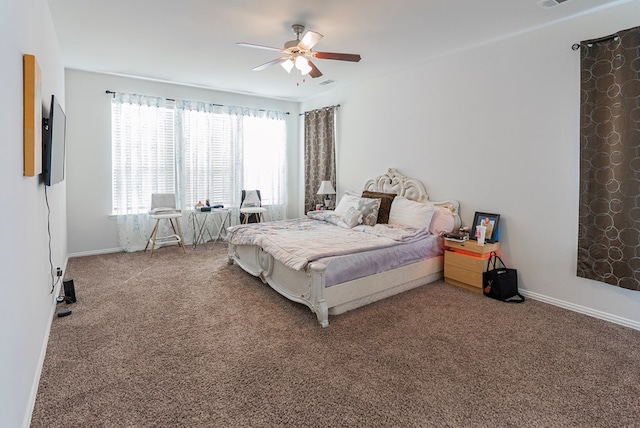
pixel 96 252
pixel 26 423
pixel 582 309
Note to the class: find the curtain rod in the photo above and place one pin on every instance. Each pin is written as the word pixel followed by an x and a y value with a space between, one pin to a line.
pixel 576 46
pixel 172 99
pixel 318 109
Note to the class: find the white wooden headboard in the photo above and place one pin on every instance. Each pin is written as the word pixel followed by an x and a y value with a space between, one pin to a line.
pixel 394 182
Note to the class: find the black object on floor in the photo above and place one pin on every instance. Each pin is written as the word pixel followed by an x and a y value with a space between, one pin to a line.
pixel 69 290
pixel 64 312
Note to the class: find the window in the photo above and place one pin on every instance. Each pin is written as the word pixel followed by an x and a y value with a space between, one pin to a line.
pixel 142 151
pixel 199 151
pixel 264 158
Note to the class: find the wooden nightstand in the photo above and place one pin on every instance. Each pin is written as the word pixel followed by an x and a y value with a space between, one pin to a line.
pixel 464 263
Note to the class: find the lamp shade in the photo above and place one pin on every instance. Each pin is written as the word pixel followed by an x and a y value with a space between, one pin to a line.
pixel 326 188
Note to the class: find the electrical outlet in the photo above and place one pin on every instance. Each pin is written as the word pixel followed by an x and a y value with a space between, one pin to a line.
pixel 58 272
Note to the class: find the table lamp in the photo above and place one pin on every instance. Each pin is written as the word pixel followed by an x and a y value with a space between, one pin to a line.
pixel 326 189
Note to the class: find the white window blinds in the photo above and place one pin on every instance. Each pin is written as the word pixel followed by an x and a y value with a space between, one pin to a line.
pixel 264 158
pixel 199 151
pixel 210 159
pixel 143 154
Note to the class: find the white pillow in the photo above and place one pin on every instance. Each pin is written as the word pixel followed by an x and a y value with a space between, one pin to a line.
pixel 405 212
pixel 353 217
pixel 443 221
pixel 367 206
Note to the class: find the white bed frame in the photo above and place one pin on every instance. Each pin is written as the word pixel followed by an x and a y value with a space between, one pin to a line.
pixel 307 286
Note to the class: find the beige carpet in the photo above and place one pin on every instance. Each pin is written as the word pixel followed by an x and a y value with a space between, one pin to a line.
pixel 187 340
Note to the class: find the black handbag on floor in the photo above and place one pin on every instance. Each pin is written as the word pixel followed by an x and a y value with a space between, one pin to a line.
pixel 500 283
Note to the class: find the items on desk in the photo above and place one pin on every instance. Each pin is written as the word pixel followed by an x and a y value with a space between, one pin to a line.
pixel 207 208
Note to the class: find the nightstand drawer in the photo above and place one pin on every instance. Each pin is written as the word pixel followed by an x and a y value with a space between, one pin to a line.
pixel 471 246
pixel 473 278
pixel 466 261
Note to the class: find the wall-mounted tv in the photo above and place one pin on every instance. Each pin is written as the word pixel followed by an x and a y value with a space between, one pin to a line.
pixel 53 144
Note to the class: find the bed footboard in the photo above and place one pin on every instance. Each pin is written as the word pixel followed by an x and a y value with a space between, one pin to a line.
pixel 304 286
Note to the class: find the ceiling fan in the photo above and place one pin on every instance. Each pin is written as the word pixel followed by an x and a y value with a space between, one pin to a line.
pixel 298 53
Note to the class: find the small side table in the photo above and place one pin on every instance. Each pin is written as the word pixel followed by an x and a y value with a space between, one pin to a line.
pixel 464 263
pixel 220 217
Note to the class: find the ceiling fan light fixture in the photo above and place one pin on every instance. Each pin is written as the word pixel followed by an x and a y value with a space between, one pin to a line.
pixel 306 70
pixel 297 52
pixel 302 64
pixel 287 65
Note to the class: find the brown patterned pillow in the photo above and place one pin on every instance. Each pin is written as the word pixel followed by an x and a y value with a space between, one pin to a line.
pixel 385 203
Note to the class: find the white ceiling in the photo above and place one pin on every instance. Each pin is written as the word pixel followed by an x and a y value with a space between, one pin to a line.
pixel 193 42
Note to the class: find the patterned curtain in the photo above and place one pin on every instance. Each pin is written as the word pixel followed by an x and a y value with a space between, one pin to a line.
pixel 609 209
pixel 319 153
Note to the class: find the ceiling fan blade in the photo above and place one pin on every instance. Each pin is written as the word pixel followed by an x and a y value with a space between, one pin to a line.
pixel 270 63
pixel 314 70
pixel 309 40
pixel 338 56
pixel 251 45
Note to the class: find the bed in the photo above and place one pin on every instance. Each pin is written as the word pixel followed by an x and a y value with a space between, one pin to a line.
pixel 303 276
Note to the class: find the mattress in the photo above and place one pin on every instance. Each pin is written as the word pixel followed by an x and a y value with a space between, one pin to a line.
pixel 297 242
pixel 348 267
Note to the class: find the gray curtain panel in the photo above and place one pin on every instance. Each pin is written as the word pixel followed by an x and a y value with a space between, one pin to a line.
pixel 319 153
pixel 609 207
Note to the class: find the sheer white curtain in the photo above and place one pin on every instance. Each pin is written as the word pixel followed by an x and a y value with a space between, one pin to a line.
pixel 264 159
pixel 197 150
pixel 223 150
pixel 209 153
pixel 142 162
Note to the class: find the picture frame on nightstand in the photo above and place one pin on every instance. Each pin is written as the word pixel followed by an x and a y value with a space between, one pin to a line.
pixel 490 221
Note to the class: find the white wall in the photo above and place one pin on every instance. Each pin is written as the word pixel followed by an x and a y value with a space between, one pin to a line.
pixel 91 229
pixel 496 127
pixel 26 27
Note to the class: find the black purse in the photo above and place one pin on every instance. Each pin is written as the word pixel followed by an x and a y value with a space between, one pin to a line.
pixel 500 283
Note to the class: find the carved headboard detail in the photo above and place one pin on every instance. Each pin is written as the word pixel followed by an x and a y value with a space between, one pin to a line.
pixel 394 182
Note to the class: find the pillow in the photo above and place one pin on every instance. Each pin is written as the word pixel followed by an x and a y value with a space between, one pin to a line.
pixel 443 221
pixel 385 203
pixel 405 212
pixel 368 207
pixel 353 217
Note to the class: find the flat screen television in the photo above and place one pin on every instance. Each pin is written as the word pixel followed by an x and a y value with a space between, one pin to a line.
pixel 53 144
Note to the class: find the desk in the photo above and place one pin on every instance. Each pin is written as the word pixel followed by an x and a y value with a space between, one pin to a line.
pixel 220 217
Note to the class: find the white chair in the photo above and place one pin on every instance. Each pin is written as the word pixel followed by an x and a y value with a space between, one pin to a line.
pixel 163 206
pixel 251 209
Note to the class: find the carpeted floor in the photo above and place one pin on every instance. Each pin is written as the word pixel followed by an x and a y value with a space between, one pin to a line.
pixel 187 340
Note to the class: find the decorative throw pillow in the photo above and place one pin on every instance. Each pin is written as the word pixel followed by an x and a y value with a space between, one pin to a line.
pixel 443 221
pixel 405 212
pixel 385 203
pixel 353 217
pixel 368 207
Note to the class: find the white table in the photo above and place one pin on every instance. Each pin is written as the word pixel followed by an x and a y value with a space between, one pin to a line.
pixel 204 221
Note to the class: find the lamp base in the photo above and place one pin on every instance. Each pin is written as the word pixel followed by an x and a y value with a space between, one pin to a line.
pixel 327 204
